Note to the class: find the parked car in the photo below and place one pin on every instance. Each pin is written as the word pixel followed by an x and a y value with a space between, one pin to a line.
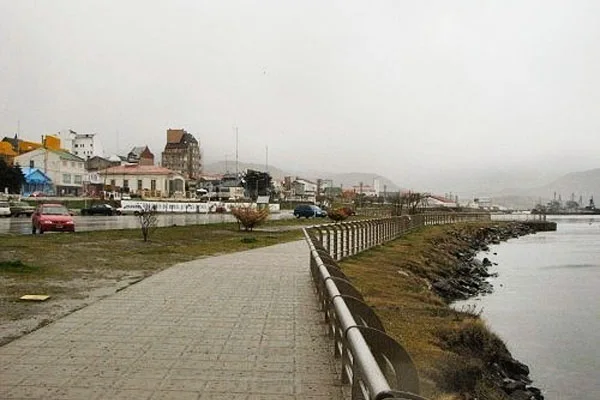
pixel 309 210
pixel 18 208
pixel 99 209
pixel 129 209
pixel 4 209
pixel 51 217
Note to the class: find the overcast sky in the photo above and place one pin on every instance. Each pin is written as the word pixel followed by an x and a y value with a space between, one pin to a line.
pixel 412 90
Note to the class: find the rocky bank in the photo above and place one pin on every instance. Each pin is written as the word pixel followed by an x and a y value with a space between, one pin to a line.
pixel 469 278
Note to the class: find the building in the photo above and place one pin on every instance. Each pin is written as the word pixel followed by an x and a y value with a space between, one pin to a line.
pixel 7 153
pixel 65 170
pixel 143 180
pixel 140 155
pixel 35 181
pixel 304 190
pixel 437 202
pixel 84 145
pixel 182 154
pixel 93 184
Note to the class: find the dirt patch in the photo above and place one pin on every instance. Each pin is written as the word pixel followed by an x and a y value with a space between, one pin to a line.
pixel 19 317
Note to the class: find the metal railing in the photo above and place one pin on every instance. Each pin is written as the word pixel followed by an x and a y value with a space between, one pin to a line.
pixel 373 363
pixel 349 238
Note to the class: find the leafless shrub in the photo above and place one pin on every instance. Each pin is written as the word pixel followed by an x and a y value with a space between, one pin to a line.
pixel 249 217
pixel 148 221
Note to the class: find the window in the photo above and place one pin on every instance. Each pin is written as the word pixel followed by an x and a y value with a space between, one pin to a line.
pixel 75 145
pixel 72 164
pixel 66 178
pixel 64 163
pixel 77 179
pixel 31 164
pixel 139 184
pixel 113 183
pixel 153 184
pixel 125 183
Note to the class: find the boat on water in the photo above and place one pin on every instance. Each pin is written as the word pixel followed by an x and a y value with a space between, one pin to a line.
pixel 590 209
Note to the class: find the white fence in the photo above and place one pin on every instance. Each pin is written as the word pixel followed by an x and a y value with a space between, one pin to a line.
pixel 192 207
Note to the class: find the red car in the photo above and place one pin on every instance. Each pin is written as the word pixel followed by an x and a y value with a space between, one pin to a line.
pixel 51 217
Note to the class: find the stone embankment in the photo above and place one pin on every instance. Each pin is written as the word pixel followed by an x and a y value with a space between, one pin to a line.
pixel 470 278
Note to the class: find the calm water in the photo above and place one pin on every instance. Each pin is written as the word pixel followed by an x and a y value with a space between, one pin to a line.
pixel 546 306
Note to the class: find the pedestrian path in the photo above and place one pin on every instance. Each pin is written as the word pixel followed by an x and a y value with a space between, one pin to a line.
pixel 238 326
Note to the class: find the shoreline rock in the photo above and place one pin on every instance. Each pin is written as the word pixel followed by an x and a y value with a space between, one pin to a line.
pixel 469 278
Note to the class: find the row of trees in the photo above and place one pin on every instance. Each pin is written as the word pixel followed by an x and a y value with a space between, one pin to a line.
pixel 257 183
pixel 11 177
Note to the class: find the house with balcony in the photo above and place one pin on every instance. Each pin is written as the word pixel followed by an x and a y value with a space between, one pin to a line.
pixel 65 170
pixel 146 181
pixel 182 154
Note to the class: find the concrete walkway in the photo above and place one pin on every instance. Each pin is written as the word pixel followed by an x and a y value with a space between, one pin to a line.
pixel 238 326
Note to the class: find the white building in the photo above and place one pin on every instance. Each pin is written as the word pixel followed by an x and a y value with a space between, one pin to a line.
pixel 304 190
pixel 84 145
pixel 144 180
pixel 64 169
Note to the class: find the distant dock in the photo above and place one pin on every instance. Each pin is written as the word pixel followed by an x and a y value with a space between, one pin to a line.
pixel 541 226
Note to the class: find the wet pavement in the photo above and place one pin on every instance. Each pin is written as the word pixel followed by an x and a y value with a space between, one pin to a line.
pixel 239 326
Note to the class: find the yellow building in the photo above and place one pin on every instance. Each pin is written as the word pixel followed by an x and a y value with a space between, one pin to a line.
pixel 10 148
pixel 7 153
pixel 51 142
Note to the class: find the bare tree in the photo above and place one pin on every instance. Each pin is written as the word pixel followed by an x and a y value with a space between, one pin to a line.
pixel 148 221
pixel 411 200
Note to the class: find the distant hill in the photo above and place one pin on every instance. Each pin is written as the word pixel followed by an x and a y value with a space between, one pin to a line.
pixel 345 179
pixel 221 167
pixel 582 184
pixel 355 178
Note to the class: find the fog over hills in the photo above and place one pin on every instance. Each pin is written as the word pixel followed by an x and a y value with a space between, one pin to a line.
pixel 579 185
pixel 346 180
pixel 522 188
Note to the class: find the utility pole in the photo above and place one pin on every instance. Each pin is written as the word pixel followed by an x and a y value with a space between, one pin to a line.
pixel 266 158
pixel 236 154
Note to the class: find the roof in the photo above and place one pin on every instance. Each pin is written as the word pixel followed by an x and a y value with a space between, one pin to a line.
pixel 116 157
pixel 441 199
pixel 65 155
pixel 178 137
pixel 137 150
pixel 14 142
pixel 138 170
pixel 35 175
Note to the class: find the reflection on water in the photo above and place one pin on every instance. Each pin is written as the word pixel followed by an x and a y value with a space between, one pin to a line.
pixel 97 223
pixel 545 305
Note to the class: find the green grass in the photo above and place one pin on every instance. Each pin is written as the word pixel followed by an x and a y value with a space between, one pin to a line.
pixel 70 266
pixel 16 267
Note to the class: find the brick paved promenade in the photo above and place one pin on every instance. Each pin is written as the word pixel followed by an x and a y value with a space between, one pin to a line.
pixel 238 326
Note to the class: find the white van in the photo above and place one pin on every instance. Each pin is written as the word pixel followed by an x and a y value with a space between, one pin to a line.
pixel 130 209
pixel 4 209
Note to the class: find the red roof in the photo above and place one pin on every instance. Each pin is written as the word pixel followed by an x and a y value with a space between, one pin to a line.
pixel 138 170
pixel 441 199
